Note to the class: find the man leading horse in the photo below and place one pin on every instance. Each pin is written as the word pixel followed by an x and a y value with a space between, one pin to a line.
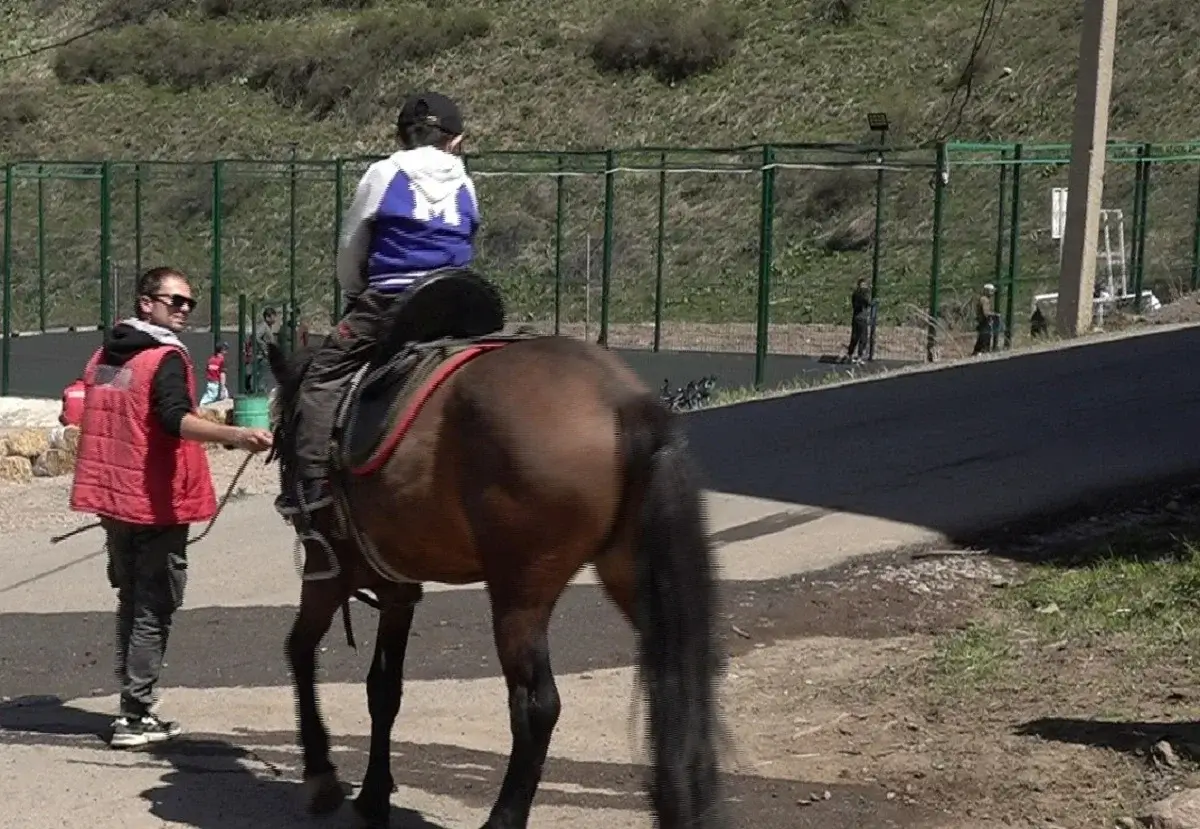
pixel 414 213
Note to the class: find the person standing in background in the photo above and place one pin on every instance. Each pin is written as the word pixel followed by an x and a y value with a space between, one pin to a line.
pixel 215 387
pixel 860 321
pixel 72 403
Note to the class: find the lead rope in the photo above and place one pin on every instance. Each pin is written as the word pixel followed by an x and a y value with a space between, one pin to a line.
pixel 208 528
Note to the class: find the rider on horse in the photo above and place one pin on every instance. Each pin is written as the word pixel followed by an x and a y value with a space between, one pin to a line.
pixel 414 212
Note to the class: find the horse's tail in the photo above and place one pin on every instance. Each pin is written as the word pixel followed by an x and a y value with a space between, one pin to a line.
pixel 675 610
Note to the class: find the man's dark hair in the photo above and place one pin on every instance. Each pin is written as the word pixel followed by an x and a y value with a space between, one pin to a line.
pixel 268 312
pixel 150 283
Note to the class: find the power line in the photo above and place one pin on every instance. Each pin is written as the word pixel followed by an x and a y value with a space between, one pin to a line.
pixel 58 44
pixel 985 35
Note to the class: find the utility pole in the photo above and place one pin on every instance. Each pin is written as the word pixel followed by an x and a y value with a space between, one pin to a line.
pixel 1085 182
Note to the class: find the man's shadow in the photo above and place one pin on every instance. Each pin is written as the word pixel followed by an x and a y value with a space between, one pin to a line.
pixel 209 783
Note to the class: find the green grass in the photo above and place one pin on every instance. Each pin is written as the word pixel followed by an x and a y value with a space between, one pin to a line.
pixel 206 80
pixel 1138 598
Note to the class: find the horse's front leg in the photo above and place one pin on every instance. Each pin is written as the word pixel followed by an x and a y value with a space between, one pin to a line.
pixel 385 688
pixel 319 600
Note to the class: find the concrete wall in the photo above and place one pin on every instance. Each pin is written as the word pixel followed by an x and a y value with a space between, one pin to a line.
pixel 966 446
pixel 41 365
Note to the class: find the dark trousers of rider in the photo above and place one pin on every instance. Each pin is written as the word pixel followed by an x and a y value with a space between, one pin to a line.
pixel 147 566
pixel 331 367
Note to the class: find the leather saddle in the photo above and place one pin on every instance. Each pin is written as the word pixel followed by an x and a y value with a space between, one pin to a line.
pixel 441 321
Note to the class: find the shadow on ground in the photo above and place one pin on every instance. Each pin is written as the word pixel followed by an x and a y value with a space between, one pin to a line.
pixel 1128 737
pixel 209 782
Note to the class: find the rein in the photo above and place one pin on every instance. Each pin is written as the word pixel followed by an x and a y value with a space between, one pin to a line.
pixel 208 528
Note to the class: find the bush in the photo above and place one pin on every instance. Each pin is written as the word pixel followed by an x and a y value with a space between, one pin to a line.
pixel 302 69
pixel 133 12
pixel 670 43
pixel 349 70
pixel 100 58
pixel 839 12
pixel 276 9
pixel 18 106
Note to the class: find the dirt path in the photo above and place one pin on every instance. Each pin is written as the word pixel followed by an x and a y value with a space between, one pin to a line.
pixel 879 674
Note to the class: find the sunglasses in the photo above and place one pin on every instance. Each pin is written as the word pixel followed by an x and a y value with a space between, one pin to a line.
pixel 178 302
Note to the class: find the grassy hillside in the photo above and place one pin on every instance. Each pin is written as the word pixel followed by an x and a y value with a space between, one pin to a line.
pixel 179 80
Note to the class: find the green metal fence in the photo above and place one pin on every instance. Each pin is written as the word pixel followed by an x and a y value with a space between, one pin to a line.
pixel 751 249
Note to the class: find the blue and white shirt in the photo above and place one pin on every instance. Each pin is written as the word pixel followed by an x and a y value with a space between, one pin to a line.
pixel 414 211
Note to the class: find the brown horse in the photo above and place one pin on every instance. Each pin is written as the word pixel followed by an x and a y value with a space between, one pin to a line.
pixel 528 463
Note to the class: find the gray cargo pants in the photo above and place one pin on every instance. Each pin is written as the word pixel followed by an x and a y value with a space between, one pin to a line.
pixel 147 566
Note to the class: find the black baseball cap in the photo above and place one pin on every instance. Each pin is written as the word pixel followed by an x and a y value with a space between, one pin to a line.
pixel 432 109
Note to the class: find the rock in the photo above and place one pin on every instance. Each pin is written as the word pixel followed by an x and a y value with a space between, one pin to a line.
pixel 16 469
pixel 65 437
pixel 1179 811
pixel 213 415
pixel 1164 754
pixel 54 462
pixel 28 443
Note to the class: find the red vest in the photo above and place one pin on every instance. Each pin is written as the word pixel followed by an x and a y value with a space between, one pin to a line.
pixel 128 467
pixel 72 403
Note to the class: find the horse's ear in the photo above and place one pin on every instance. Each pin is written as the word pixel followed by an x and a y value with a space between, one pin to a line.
pixel 277 360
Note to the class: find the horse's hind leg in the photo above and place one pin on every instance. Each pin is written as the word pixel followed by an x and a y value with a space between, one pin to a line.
pixel 522 643
pixel 385 687
pixel 319 600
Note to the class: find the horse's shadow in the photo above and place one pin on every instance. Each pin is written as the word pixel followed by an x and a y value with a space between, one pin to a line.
pixel 209 783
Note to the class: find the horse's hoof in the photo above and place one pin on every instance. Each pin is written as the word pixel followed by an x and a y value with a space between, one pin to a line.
pixel 369 817
pixel 325 793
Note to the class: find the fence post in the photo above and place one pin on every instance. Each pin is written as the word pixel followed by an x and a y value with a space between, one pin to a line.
pixel 875 250
pixel 137 219
pixel 1137 213
pixel 255 314
pixel 610 172
pixel 659 253
pixel 1143 215
pixel 935 267
pixel 294 311
pixel 241 345
pixel 105 246
pixel 338 208
pixel 560 197
pixel 998 266
pixel 9 176
pixel 766 238
pixel 41 248
pixel 1014 237
pixel 1196 239
pixel 218 220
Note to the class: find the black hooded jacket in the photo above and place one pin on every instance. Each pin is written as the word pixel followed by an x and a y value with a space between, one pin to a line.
pixel 169 397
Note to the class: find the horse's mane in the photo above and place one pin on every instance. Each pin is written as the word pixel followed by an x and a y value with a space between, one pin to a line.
pixel 288 369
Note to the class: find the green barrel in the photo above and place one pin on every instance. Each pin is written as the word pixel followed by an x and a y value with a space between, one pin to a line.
pixel 253 411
